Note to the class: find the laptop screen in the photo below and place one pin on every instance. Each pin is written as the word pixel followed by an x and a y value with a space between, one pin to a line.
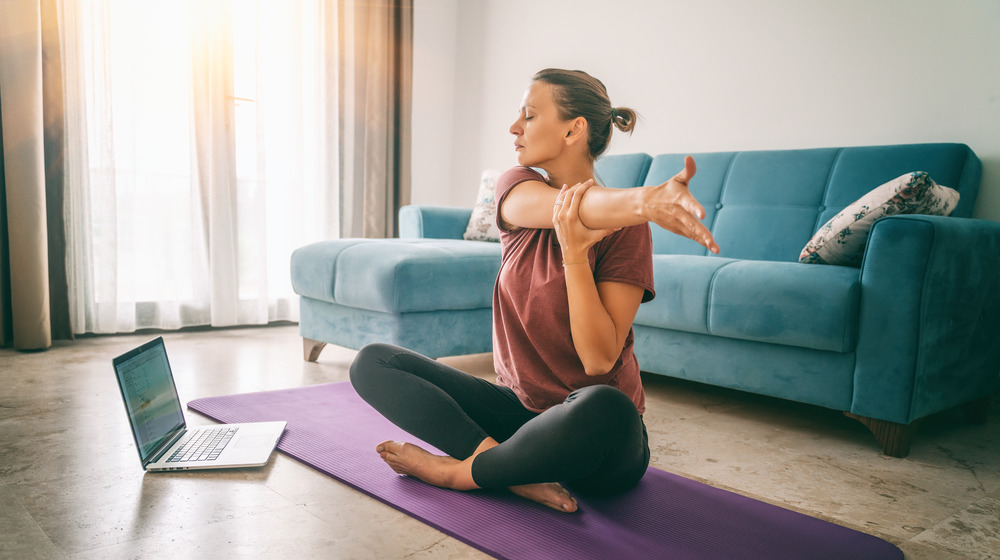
pixel 150 396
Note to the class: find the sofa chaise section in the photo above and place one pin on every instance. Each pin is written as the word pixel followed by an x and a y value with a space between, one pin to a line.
pixel 432 296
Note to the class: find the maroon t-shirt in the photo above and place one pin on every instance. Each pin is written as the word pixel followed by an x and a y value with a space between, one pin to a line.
pixel 533 349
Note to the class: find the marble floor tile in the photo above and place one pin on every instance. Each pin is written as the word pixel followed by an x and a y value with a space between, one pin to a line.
pixel 20 535
pixel 973 532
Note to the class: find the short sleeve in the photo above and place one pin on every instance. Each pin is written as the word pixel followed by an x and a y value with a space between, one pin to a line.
pixel 510 179
pixel 627 256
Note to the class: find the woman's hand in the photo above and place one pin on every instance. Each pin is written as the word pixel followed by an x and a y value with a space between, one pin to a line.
pixel 575 238
pixel 673 207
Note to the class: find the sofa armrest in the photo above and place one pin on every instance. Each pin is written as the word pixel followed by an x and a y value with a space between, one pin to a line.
pixel 433 222
pixel 929 323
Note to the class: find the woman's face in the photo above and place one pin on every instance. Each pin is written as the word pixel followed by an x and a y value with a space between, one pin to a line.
pixel 538 131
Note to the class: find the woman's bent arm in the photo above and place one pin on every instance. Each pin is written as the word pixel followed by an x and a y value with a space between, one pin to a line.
pixel 600 315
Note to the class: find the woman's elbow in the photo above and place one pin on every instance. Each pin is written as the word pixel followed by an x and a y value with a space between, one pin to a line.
pixel 599 366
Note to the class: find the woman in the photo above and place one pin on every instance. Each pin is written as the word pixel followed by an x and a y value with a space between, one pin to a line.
pixel 576 263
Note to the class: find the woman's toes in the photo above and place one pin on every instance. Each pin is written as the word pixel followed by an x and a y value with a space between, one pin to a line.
pixel 388 446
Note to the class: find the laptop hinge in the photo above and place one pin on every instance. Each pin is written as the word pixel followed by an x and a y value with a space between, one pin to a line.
pixel 166 446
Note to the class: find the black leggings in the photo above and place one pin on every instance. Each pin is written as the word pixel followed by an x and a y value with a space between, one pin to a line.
pixel 594 441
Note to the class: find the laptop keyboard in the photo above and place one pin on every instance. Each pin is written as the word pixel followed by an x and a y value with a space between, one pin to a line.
pixel 203 445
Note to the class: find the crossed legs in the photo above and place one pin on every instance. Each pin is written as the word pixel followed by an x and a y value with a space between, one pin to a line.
pixel 594 440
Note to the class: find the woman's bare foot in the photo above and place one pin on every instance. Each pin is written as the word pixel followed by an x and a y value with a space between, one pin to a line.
pixel 549 494
pixel 448 472
pixel 412 460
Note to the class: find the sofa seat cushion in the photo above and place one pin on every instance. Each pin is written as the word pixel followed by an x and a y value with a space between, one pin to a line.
pixel 398 275
pixel 776 302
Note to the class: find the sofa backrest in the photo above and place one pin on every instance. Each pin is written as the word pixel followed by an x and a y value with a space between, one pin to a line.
pixel 766 205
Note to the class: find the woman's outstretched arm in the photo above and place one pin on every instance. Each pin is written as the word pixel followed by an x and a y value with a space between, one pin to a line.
pixel 669 205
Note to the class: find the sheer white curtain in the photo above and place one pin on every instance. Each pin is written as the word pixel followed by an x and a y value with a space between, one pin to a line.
pixel 201 150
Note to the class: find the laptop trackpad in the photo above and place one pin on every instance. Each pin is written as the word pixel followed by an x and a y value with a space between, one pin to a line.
pixel 252 441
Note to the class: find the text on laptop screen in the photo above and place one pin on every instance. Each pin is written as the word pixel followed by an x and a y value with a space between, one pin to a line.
pixel 150 397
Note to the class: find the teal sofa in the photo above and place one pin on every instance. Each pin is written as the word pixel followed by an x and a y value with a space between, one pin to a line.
pixel 913 331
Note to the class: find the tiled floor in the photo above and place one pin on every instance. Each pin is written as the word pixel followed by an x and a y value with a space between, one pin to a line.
pixel 71 485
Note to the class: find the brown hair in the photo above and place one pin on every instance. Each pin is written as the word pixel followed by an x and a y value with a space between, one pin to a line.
pixel 578 94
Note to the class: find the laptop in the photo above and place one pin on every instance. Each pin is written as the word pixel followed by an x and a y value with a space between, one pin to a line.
pixel 161 435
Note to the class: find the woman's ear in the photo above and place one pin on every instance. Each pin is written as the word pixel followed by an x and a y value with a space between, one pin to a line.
pixel 577 131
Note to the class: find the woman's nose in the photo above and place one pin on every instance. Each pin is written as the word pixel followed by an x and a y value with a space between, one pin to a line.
pixel 515 127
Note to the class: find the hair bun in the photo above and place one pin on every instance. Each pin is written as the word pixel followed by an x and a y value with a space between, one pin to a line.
pixel 623 118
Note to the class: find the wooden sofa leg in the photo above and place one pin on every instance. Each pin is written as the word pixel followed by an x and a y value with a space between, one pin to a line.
pixel 311 349
pixel 894 438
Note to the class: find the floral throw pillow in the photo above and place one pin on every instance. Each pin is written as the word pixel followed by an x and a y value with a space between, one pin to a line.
pixel 842 240
pixel 483 223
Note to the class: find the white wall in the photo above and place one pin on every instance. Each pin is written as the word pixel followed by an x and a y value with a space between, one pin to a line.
pixel 434 58
pixel 710 75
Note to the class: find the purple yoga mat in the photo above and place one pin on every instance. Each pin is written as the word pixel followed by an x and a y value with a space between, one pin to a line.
pixel 666 516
